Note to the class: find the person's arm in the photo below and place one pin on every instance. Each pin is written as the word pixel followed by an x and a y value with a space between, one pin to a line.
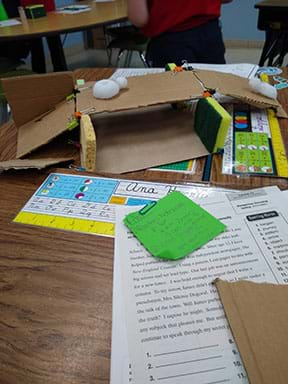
pixel 138 12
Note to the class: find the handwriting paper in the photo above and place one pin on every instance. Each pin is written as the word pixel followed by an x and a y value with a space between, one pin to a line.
pixel 172 315
pixel 173 227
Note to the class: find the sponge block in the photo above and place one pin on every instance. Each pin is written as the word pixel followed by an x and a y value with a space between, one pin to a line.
pixel 88 143
pixel 211 123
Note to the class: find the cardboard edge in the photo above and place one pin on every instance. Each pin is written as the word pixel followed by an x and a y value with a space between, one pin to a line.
pixel 235 321
pixel 19 164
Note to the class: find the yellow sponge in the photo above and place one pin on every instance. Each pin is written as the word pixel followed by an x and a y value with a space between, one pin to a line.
pixel 211 123
pixel 88 143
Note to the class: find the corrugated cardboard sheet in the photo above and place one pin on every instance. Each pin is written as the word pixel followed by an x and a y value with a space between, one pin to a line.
pixel 31 96
pixel 168 87
pixel 258 316
pixel 142 91
pixel 33 163
pixel 238 87
pixel 44 128
pixel 139 139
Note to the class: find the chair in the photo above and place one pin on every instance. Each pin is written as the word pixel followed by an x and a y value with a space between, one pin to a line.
pixel 125 37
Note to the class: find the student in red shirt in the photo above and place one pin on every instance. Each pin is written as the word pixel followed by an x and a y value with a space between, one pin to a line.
pixel 180 30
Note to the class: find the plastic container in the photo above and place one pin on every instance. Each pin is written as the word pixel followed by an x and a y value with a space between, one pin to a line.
pixel 48 4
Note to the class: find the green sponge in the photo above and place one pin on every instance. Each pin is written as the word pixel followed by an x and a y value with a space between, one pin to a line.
pixel 211 123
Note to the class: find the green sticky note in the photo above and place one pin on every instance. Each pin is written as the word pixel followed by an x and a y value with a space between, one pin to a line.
pixel 173 227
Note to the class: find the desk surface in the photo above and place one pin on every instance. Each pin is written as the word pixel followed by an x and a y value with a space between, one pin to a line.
pixel 272 3
pixel 56 286
pixel 55 23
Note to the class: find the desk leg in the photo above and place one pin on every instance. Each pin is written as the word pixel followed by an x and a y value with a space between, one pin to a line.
pixel 57 53
pixel 275 48
pixel 37 56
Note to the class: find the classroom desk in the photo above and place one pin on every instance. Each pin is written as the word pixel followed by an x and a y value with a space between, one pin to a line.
pixel 56 286
pixel 273 19
pixel 54 24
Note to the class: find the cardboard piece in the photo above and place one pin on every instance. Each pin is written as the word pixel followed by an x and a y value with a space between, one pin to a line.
pixel 32 96
pixel 43 129
pixel 33 163
pixel 144 91
pixel 238 87
pixel 41 113
pixel 258 316
pixel 142 138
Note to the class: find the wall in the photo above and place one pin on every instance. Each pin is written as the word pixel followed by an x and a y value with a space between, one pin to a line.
pixel 239 21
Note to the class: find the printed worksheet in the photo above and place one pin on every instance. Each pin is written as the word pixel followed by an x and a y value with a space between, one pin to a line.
pixel 168 322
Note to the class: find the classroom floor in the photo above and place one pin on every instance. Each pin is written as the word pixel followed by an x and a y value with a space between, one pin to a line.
pixel 78 57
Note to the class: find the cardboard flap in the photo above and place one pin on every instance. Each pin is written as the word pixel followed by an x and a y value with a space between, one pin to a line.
pixel 139 139
pixel 43 129
pixel 258 316
pixel 31 96
pixel 238 87
pixel 143 91
pixel 33 163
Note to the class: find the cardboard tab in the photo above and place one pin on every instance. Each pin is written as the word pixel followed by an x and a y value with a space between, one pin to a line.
pixel 258 316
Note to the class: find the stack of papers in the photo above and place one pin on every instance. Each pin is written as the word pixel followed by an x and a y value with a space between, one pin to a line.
pixel 168 321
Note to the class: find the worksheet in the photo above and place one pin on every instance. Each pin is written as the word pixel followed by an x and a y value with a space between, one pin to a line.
pixel 168 322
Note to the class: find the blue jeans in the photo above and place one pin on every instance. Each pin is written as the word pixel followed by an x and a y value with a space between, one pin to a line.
pixel 203 44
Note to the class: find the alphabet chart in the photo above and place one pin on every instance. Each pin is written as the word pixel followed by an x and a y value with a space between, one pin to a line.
pixel 87 204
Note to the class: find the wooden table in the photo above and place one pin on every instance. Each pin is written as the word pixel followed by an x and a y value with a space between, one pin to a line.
pixel 55 23
pixel 273 19
pixel 56 286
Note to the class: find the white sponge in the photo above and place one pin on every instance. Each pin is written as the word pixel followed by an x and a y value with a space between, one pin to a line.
pixel 263 88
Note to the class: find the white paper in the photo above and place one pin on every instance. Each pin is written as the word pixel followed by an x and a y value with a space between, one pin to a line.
pixel 128 72
pixel 9 23
pixel 176 328
pixel 72 9
pixel 240 69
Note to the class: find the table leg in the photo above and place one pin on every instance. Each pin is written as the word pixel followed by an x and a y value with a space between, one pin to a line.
pixel 275 48
pixel 37 56
pixel 57 53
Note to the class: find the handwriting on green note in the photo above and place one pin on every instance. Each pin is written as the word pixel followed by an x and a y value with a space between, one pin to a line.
pixel 173 227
